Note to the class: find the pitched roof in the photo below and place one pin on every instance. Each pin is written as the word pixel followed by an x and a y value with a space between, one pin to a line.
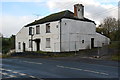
pixel 57 16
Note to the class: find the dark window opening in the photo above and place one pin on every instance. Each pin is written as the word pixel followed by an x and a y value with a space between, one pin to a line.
pixel 30 30
pixel 56 26
pixel 37 29
pixel 19 45
pixel 48 28
pixel 65 23
pixel 82 41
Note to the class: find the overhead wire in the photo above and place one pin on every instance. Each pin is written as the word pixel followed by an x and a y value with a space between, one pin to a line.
pixel 98 14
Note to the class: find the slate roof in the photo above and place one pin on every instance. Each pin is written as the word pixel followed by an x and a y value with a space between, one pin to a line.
pixel 57 16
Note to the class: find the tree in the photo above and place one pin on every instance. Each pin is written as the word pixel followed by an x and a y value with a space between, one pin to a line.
pixel 8 44
pixel 108 27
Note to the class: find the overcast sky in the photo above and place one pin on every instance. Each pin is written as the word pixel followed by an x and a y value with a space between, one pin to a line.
pixel 17 13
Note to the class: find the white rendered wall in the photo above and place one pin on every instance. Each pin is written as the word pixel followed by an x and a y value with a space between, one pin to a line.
pixel 22 36
pixel 101 40
pixel 73 32
pixel 54 35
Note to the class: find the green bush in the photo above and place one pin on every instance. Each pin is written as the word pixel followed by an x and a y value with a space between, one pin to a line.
pixel 116 57
pixel 41 52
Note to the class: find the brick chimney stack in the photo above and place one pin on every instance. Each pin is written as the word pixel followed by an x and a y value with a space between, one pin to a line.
pixel 79 11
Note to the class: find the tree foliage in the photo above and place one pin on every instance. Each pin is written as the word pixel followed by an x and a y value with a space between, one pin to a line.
pixel 8 44
pixel 110 28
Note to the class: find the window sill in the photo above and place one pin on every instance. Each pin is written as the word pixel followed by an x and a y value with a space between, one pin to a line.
pixel 48 32
pixel 48 47
pixel 37 34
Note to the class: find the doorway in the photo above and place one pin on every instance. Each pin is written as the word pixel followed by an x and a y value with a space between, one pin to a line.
pixel 37 44
pixel 23 47
pixel 92 42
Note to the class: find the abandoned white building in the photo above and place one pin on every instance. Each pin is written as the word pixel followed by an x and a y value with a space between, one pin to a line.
pixel 60 32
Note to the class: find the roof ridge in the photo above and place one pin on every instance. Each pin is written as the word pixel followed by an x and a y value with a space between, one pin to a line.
pixel 65 13
pixel 57 16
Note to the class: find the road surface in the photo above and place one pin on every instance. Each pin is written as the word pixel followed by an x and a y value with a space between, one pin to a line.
pixel 45 68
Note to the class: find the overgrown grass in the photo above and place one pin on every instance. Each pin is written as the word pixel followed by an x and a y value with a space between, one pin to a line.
pixel 5 56
pixel 61 54
pixel 116 46
pixel 39 54
pixel 115 57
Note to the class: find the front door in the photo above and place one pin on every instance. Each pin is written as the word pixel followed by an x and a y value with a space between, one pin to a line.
pixel 92 42
pixel 37 41
pixel 23 47
pixel 38 46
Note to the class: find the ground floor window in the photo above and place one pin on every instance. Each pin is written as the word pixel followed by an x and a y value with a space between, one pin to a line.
pixel 47 42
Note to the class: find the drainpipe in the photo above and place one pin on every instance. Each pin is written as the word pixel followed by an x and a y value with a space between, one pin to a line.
pixel 32 40
pixel 60 34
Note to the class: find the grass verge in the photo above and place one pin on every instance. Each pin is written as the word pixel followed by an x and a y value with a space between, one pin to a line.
pixel 115 57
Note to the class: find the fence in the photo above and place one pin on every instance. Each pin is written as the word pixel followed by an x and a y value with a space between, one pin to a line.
pixel 98 48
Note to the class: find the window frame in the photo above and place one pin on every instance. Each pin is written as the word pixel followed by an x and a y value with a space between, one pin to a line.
pixel 38 29
pixel 48 28
pixel 30 30
pixel 48 45
pixel 19 45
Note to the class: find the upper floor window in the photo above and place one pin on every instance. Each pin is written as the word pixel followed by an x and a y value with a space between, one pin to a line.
pixel 30 30
pixel 48 28
pixel 37 29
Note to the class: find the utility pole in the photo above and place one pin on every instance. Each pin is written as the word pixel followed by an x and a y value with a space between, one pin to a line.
pixel 55 47
pixel 75 47
pixel 98 54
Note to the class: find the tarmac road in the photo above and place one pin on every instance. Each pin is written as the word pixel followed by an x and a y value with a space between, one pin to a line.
pixel 47 68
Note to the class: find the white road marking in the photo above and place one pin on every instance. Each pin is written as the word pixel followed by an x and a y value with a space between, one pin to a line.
pixel 9 76
pixel 8 70
pixel 32 76
pixel 4 73
pixel 22 74
pixel 12 75
pixel 14 72
pixel 32 62
pixel 83 70
pixel 2 69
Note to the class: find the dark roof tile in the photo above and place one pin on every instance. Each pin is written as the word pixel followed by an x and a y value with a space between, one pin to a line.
pixel 57 16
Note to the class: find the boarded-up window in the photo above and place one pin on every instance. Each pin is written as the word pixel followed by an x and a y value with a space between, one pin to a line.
pixel 48 28
pixel 37 29
pixel 19 45
pixel 30 30
pixel 47 42
pixel 30 43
